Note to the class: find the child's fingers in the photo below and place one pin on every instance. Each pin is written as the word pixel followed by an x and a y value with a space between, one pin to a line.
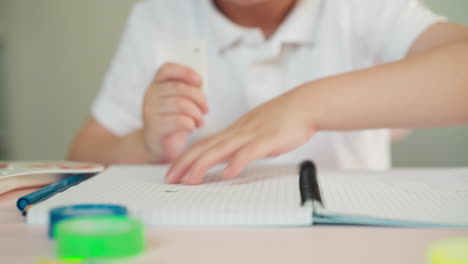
pixel 257 149
pixel 221 152
pixel 183 90
pixel 172 123
pixel 178 73
pixel 167 135
pixel 173 145
pixel 181 106
pixel 179 168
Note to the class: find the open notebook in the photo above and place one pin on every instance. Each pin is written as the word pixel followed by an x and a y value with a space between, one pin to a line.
pixel 270 196
pixel 20 174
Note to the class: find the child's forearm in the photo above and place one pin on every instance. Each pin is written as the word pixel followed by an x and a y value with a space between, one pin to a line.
pixel 430 89
pixel 106 149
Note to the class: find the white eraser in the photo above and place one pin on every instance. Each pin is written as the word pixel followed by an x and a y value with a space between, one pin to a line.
pixel 192 53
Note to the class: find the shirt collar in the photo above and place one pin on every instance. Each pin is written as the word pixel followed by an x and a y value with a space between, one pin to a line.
pixel 298 27
pixel 226 32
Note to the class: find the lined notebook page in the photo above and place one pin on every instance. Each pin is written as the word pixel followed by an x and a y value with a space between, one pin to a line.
pixel 437 196
pixel 265 196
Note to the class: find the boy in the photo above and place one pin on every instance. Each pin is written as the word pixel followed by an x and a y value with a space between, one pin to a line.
pixel 302 66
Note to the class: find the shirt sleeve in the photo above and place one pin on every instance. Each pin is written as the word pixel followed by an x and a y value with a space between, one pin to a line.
pixel 392 26
pixel 118 105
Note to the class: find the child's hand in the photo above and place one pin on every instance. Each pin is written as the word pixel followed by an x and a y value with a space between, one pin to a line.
pixel 174 106
pixel 271 129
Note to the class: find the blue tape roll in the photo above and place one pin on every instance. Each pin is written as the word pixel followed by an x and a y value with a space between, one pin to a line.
pixel 67 212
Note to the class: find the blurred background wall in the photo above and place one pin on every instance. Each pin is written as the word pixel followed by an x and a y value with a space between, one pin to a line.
pixel 3 126
pixel 55 54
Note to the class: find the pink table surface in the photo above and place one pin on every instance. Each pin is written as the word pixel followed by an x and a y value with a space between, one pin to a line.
pixel 21 243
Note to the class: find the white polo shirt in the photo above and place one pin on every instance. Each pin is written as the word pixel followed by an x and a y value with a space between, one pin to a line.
pixel 319 38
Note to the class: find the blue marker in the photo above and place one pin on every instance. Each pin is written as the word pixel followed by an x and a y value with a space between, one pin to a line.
pixel 49 191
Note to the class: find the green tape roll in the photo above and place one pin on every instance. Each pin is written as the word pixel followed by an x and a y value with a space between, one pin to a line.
pixel 99 237
pixel 454 251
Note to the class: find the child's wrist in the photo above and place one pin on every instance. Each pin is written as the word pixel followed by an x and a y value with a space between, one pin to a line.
pixel 308 97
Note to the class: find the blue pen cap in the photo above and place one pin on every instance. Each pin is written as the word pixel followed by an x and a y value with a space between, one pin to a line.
pixel 73 211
